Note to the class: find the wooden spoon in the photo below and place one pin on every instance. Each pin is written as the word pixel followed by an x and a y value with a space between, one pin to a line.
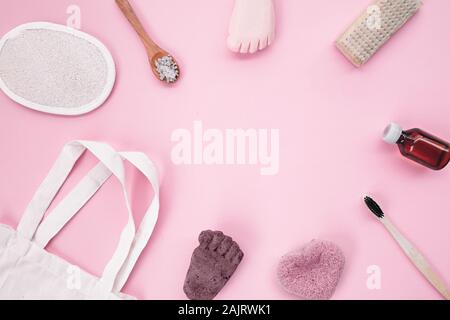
pixel 166 69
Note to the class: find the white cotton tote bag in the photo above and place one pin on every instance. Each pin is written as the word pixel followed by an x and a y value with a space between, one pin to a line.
pixel 28 271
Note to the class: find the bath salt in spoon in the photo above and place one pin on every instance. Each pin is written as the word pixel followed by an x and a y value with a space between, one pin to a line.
pixel 162 63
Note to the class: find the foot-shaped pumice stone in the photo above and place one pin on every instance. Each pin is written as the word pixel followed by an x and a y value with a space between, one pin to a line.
pixel 213 263
pixel 252 26
pixel 312 272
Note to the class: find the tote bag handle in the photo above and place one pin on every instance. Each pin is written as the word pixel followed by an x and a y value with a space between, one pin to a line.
pixel 131 244
pixel 81 194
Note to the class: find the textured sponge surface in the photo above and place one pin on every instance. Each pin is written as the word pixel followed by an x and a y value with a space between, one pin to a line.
pixel 312 272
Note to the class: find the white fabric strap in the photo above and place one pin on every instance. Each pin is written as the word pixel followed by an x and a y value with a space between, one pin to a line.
pixel 71 204
pixel 52 183
pixel 148 169
pixel 112 160
pixel 47 190
pixel 114 275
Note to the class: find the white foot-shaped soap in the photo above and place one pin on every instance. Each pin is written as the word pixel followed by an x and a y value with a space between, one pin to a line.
pixel 252 26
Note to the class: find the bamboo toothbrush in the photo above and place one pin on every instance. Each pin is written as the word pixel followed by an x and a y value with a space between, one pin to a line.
pixel 413 254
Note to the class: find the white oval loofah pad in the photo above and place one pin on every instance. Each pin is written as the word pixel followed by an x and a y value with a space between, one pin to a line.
pixel 55 69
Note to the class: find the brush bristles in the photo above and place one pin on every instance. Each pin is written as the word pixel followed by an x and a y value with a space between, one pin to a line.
pixel 374 207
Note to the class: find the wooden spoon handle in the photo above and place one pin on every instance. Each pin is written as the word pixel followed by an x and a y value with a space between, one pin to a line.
pixel 127 10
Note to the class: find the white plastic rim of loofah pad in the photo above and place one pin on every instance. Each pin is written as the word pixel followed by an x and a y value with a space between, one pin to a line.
pixel 78 110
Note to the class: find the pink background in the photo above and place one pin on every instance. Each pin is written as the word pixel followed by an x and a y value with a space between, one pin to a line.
pixel 330 117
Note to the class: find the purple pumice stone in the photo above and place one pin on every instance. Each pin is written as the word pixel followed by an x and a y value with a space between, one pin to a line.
pixel 213 263
pixel 312 272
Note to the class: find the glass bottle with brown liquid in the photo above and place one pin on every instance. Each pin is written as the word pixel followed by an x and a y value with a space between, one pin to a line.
pixel 419 146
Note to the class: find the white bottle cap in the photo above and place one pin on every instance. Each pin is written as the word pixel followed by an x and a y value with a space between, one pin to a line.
pixel 392 133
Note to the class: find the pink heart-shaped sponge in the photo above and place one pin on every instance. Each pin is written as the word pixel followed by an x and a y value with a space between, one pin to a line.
pixel 312 272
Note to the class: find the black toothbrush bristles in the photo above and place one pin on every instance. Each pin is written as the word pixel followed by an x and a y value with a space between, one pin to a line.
pixel 374 207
